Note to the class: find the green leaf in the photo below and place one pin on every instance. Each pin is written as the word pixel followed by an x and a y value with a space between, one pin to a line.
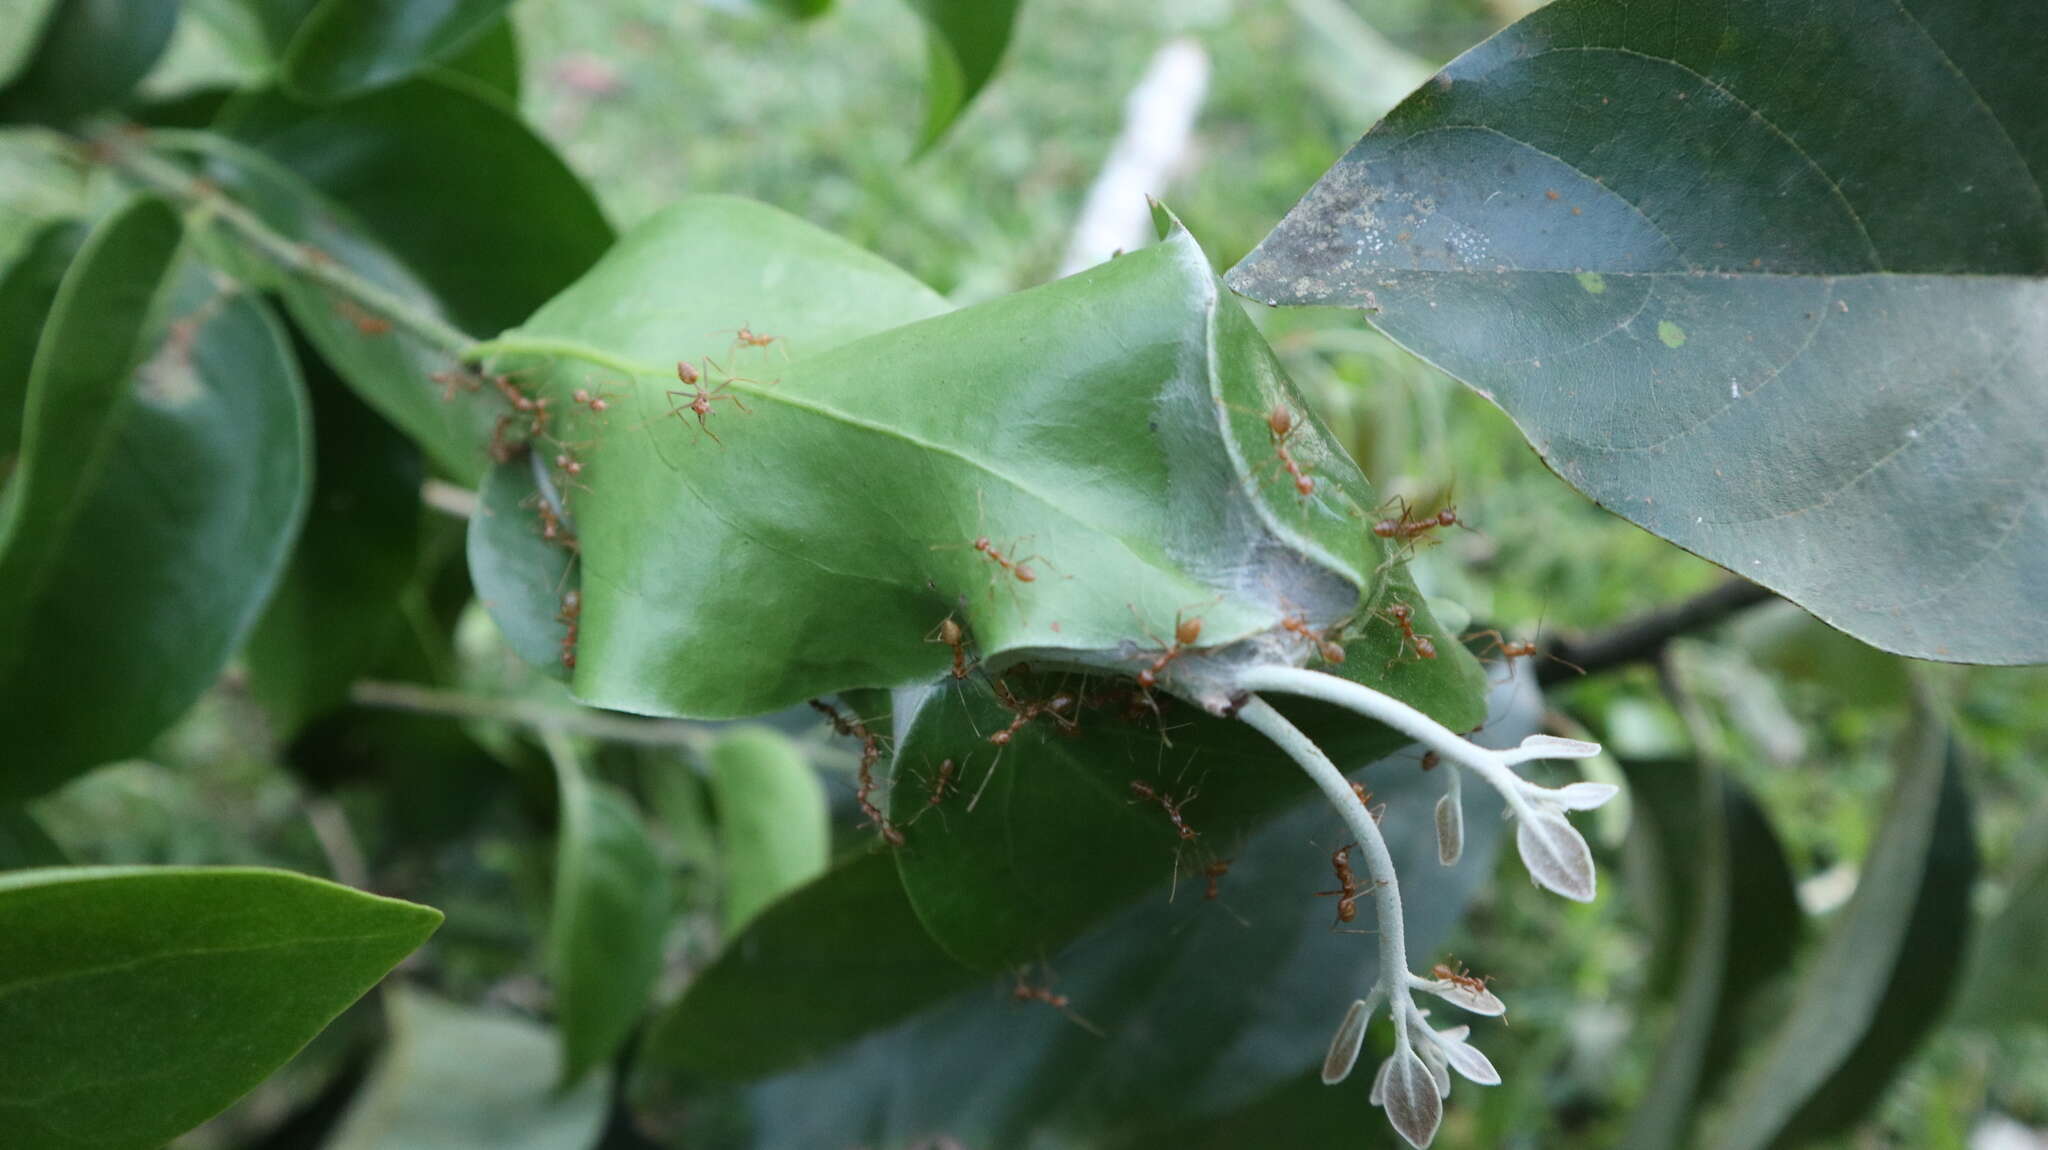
pixel 28 289
pixel 964 43
pixel 490 64
pixel 391 372
pixel 1726 919
pixel 1203 1005
pixel 610 914
pixel 1058 836
pixel 153 507
pixel 346 47
pixel 90 55
pixel 522 578
pixel 1886 972
pixel 441 171
pixel 24 842
pixel 773 834
pixel 1994 996
pixel 138 1002
pixel 338 604
pixel 1733 293
pixel 21 29
pixel 1108 433
pixel 797 9
pixel 462 1079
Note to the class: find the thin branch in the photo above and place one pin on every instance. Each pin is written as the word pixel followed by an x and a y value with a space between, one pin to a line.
pixel 602 725
pixel 1643 639
pixel 138 163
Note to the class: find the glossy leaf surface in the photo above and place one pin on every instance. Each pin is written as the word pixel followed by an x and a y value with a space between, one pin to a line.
pixel 773 833
pixel 1780 304
pixel 345 47
pixel 965 42
pixel 89 56
pixel 140 1001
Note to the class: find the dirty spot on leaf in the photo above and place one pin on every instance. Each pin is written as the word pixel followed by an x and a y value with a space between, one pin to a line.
pixel 1593 282
pixel 1672 334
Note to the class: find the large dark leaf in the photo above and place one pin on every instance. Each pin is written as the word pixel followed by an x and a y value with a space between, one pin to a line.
pixel 965 42
pixel 339 601
pixel 1726 920
pixel 139 1002
pixel 153 508
pixel 610 914
pixel 1106 437
pixel 90 55
pixel 1765 278
pixel 391 371
pixel 343 47
pixel 773 829
pixel 1999 991
pixel 1887 970
pixel 1203 1005
pixel 442 172
pixel 28 289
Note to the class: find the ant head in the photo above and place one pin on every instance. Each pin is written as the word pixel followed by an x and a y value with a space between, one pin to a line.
pixel 1401 611
pixel 1448 517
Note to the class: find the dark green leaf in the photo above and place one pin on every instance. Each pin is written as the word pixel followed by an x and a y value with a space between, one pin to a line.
pixel 442 173
pixel 610 914
pixel 1107 435
pixel 1767 281
pixel 91 54
pixel 773 834
pixel 28 289
pixel 462 1079
pixel 139 1002
pixel 1726 919
pixel 1058 837
pixel 798 9
pixel 154 506
pixel 1204 1005
pixel 24 843
pixel 345 47
pixel 491 63
pixel 339 601
pixel 1999 991
pixel 21 28
pixel 965 42
pixel 522 578
pixel 1886 972
pixel 390 371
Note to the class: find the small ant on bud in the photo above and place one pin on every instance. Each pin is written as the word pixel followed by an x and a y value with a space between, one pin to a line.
pixel 1460 977
pixel 1402 616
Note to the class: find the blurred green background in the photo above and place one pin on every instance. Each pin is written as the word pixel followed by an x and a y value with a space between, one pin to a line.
pixel 653 99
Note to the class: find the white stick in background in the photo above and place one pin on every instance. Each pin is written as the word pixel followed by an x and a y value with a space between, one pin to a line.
pixel 1159 128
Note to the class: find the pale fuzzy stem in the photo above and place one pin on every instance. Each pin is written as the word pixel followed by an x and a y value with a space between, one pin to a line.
pixel 1396 714
pixel 1394 977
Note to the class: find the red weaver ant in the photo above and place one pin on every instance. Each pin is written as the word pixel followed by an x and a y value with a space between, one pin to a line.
pixel 1430 759
pixel 1060 706
pixel 1402 616
pixel 1512 649
pixel 701 398
pixel 870 752
pixel 1460 977
pixel 1319 641
pixel 1280 421
pixel 945 781
pixel 1212 874
pixel 552 528
pixel 1186 633
pixel 1347 883
pixel 1408 529
pixel 572 610
pixel 1365 800
pixel 1147 792
pixel 598 402
pixel 450 381
pixel 746 337
pixel 1025 992
pixel 955 636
